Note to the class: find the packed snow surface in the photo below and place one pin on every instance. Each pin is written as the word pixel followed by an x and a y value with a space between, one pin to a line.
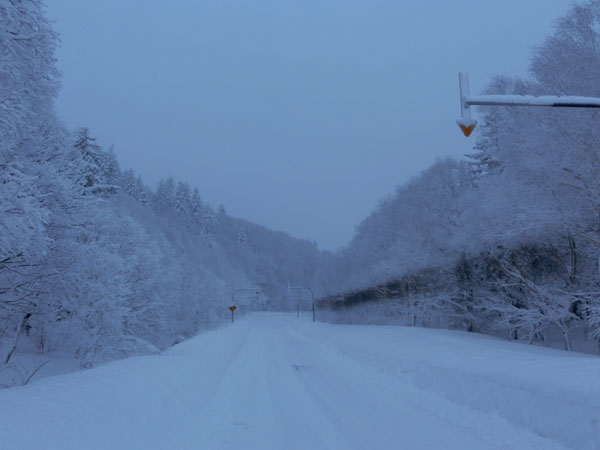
pixel 271 381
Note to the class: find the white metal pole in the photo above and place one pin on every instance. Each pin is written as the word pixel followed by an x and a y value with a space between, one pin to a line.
pixel 466 124
pixel 463 83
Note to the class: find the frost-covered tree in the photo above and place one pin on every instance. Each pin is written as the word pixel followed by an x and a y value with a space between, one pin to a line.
pixel 28 71
pixel 28 84
pixel 165 193
pixel 242 238
pixel 141 191
pixel 128 183
pixel 183 199
pixel 545 161
pixel 197 206
pixel 91 154
pixel 402 236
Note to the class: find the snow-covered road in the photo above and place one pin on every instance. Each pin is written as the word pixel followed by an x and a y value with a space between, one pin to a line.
pixel 271 381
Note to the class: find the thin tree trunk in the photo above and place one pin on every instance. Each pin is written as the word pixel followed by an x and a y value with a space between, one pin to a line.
pixel 17 335
pixel 565 331
pixel 573 272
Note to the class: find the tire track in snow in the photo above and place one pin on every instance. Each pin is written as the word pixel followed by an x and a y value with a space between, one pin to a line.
pixel 330 369
pixel 261 404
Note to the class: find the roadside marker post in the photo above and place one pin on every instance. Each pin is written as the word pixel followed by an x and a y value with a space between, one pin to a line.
pixel 232 309
pixel 467 125
pixel 306 289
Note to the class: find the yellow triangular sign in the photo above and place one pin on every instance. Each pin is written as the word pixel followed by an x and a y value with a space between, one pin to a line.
pixel 467 127
pixel 467 130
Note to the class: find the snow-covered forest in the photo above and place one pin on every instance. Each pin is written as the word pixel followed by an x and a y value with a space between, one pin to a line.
pixel 95 263
pixel 508 239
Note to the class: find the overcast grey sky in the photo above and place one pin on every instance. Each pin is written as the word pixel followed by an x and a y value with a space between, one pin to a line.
pixel 298 115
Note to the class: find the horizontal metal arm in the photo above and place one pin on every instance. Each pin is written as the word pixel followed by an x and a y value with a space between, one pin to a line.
pixel 530 100
pixel 467 125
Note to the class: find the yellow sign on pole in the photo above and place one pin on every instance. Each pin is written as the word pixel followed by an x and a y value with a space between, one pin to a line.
pixel 467 129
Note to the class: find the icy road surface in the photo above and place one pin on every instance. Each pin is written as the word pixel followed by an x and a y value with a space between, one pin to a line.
pixel 275 382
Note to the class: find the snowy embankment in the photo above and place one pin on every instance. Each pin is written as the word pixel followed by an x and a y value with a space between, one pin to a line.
pixel 272 382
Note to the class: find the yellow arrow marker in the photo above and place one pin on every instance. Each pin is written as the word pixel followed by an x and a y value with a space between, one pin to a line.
pixel 467 126
pixel 467 130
